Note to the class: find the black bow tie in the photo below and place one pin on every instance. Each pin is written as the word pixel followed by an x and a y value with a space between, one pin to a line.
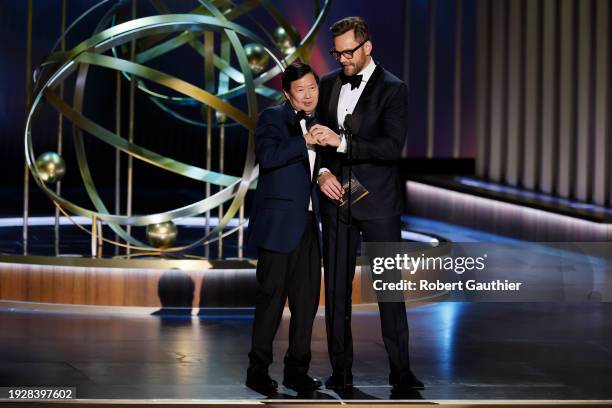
pixel 300 115
pixel 310 119
pixel 354 80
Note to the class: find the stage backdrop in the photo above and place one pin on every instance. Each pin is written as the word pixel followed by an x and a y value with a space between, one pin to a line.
pixel 404 34
pixel 521 86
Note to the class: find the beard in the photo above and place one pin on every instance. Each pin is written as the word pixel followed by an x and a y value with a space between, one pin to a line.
pixel 348 69
pixel 353 68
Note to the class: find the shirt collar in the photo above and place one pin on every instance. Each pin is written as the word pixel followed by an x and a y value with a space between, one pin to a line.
pixel 307 114
pixel 368 70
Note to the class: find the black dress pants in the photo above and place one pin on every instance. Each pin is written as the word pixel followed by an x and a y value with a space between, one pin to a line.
pixel 296 275
pixel 339 248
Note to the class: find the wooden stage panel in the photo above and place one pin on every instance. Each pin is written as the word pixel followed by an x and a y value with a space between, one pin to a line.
pixel 134 287
pixel 85 285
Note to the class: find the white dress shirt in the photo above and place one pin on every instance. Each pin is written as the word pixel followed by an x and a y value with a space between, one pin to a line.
pixel 349 97
pixel 312 154
pixel 348 100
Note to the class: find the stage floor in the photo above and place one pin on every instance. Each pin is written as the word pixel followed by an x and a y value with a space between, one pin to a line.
pixel 476 351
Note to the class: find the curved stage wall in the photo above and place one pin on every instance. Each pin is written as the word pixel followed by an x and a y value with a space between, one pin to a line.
pixel 500 217
pixel 38 281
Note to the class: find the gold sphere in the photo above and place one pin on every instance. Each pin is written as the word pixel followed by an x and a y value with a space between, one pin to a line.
pixel 221 117
pixel 162 235
pixel 281 37
pixel 257 57
pixel 283 41
pixel 51 167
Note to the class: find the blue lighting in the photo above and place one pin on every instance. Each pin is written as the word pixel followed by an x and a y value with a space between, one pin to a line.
pixel 452 232
pixel 533 195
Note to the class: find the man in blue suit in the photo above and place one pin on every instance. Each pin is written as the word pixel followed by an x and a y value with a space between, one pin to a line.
pixel 283 227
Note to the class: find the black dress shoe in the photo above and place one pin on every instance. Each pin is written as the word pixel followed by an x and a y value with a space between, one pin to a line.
pixel 261 382
pixel 406 382
pixel 302 383
pixel 336 381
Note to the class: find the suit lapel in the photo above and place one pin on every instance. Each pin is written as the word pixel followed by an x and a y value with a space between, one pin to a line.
pixel 333 102
pixel 365 95
pixel 295 130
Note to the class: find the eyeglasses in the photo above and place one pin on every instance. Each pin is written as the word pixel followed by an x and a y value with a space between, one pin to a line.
pixel 348 54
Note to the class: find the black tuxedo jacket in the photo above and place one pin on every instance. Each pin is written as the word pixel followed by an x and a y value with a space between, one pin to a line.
pixel 284 188
pixel 379 124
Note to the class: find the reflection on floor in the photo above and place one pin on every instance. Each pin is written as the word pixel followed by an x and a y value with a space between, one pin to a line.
pixel 460 350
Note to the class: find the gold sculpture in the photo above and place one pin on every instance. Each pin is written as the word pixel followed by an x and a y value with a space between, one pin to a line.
pixel 163 33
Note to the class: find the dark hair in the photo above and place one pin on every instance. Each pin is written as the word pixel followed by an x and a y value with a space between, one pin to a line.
pixel 355 23
pixel 295 71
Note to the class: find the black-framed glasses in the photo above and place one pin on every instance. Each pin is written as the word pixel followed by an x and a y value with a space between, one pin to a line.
pixel 348 54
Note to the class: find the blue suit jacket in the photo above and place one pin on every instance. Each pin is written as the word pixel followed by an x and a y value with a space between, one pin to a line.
pixel 278 214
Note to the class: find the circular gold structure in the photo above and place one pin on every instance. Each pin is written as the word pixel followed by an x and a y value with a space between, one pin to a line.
pixel 290 45
pixel 161 34
pixel 50 167
pixel 162 235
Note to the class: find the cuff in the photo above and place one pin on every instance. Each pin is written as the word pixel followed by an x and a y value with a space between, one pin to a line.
pixel 342 147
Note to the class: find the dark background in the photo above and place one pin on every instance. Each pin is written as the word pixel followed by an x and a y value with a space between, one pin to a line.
pixel 516 91
pixel 401 38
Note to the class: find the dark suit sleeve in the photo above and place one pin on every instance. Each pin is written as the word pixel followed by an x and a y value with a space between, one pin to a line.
pixel 324 153
pixel 272 149
pixel 389 144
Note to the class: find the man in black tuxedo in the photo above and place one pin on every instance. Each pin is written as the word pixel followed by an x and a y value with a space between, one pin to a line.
pixel 283 227
pixel 377 102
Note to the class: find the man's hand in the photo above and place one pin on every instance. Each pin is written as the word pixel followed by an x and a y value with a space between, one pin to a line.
pixel 310 139
pixel 330 186
pixel 325 136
